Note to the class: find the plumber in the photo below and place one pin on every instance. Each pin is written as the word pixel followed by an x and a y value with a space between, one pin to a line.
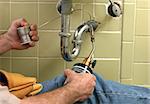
pixel 79 87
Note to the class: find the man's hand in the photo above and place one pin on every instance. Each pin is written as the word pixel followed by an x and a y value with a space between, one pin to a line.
pixel 82 83
pixel 13 37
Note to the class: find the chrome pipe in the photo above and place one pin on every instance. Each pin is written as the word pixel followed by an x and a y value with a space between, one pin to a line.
pixel 67 53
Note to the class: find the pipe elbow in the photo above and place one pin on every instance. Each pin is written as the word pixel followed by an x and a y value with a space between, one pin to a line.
pixel 66 52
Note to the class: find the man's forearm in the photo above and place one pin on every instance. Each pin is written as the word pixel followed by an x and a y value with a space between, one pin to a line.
pixel 5 45
pixel 64 95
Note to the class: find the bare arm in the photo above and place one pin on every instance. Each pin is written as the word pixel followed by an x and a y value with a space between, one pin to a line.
pixel 64 95
pixel 4 44
pixel 79 86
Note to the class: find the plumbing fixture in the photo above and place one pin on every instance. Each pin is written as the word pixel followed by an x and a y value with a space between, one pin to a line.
pixel 65 9
pixel 114 9
pixel 85 66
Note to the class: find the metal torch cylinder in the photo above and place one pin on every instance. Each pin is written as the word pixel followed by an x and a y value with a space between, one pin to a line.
pixel 23 33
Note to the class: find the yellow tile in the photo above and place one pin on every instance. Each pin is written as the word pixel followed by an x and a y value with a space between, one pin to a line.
pixel 4 0
pixel 5 64
pixel 30 52
pixel 127 61
pixel 74 1
pixel 75 18
pixel 142 49
pixel 29 11
pixel 48 13
pixel 108 45
pixel 50 68
pixel 101 1
pixel 49 45
pixel 4 16
pixel 87 12
pixel 127 81
pixel 85 1
pixel 141 74
pixel 109 69
pixel 128 22
pixel 106 1
pixel 129 1
pixel 142 22
pixel 47 0
pixel 6 54
pixel 108 23
pixel 24 0
pixel 143 4
pixel 26 67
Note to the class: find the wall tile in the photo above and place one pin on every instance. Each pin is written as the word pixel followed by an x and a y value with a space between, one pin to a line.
pixel 75 18
pixel 129 1
pixel 127 61
pixel 143 4
pixel 50 68
pixel 31 52
pixel 52 16
pixel 4 16
pixel 74 1
pixel 48 0
pixel 109 69
pixel 108 45
pixel 106 1
pixel 142 22
pixel 29 11
pixel 4 0
pixel 49 45
pixel 6 54
pixel 129 22
pixel 5 64
pixel 127 81
pixel 141 74
pixel 142 49
pixel 108 23
pixel 24 0
pixel 26 67
pixel 85 1
pixel 87 12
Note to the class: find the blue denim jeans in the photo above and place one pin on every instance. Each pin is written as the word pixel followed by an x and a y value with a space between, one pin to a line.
pixel 106 92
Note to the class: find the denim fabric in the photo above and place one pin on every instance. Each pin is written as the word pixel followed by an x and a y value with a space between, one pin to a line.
pixel 106 92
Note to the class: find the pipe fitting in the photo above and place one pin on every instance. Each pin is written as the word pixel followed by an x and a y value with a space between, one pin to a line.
pixel 66 52
pixel 65 9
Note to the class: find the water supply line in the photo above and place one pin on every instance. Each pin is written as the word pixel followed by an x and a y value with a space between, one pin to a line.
pixel 64 7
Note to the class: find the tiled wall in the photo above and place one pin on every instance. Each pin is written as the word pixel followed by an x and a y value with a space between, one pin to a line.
pixel 121 43
pixel 136 43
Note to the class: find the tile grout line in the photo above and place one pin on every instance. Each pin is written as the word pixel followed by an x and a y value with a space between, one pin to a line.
pixel 94 9
pixel 38 60
pixel 142 9
pixel 11 60
pixel 134 38
pixel 121 45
